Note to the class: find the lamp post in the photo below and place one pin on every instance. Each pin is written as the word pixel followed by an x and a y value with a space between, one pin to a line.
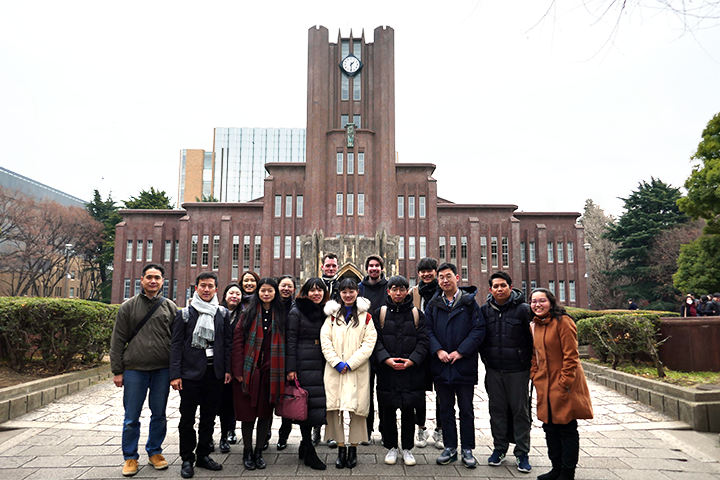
pixel 587 271
pixel 68 249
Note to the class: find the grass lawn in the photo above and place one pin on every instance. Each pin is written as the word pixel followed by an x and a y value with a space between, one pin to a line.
pixel 648 370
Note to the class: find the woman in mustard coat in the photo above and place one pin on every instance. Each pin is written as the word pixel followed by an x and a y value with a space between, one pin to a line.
pixel 562 393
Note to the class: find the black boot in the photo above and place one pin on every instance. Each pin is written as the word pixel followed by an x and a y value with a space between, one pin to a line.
pixel 249 459
pixel 259 462
pixel 267 440
pixel 555 451
pixel 232 438
pixel 553 474
pixel 352 457
pixel 566 474
pixel 301 450
pixel 311 458
pixel 341 461
pixel 224 445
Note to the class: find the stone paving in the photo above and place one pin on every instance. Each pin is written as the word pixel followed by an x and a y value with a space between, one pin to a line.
pixel 78 437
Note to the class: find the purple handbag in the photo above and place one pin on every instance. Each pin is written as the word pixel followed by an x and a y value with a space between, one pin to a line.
pixel 293 404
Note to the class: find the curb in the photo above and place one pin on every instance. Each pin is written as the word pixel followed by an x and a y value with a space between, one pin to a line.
pixel 700 409
pixel 26 397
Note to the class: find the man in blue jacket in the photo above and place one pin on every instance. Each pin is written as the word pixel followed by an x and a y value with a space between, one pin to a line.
pixel 506 352
pixel 456 328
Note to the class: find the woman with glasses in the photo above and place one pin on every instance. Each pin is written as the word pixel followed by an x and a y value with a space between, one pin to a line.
pixel 562 393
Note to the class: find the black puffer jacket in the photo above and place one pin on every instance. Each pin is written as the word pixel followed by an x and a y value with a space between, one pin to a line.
pixel 304 355
pixel 400 338
pixel 508 343
pixel 375 292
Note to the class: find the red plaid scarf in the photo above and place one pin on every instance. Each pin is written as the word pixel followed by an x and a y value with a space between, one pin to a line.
pixel 253 346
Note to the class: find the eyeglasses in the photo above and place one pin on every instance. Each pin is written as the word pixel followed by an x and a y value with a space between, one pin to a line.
pixel 398 289
pixel 539 301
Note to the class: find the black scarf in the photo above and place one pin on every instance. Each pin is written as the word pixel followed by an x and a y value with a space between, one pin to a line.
pixel 428 290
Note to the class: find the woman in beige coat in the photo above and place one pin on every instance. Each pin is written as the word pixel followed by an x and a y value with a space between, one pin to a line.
pixel 562 393
pixel 347 339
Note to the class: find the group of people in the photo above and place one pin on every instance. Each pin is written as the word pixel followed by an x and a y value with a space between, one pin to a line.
pixel 234 356
pixel 705 306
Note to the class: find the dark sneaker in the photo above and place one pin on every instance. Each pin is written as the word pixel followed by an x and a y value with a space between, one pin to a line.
pixel 523 463
pixel 496 458
pixel 448 455
pixel 468 460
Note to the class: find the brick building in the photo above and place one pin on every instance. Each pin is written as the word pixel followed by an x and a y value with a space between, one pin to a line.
pixel 351 197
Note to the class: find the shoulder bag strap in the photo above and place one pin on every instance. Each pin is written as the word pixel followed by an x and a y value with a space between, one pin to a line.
pixel 145 320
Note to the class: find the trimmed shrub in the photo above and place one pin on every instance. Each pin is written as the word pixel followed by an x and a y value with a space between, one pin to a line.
pixel 580 313
pixel 60 333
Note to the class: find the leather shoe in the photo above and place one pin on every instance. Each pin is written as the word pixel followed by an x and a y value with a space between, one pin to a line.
pixel 352 457
pixel 259 462
pixel 224 446
pixel 267 440
pixel 187 470
pixel 208 463
pixel 232 438
pixel 282 443
pixel 341 461
pixel 212 446
pixel 248 459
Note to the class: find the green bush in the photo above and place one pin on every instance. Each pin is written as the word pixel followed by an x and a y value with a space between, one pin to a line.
pixel 60 333
pixel 613 336
pixel 580 313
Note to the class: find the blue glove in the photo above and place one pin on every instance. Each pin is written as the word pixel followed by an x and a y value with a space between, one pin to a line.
pixel 340 366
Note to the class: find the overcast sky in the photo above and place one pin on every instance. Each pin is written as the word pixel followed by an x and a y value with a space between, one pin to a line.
pixel 511 107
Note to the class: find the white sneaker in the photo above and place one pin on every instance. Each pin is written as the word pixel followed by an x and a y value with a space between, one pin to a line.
pixel 391 456
pixel 408 458
pixel 421 438
pixel 438 438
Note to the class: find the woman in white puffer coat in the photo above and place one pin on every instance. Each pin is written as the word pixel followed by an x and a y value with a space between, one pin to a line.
pixel 347 339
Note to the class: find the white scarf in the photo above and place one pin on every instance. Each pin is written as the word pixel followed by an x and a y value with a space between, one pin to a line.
pixel 205 327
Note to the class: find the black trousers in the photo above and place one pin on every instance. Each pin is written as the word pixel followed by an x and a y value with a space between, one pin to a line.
pixel 206 394
pixel 447 394
pixel 227 410
pixel 407 427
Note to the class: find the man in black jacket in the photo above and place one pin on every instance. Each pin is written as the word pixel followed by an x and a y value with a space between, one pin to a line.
pixel 199 364
pixel 506 353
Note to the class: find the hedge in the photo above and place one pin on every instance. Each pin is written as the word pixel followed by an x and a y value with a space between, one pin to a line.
pixel 60 333
pixel 580 313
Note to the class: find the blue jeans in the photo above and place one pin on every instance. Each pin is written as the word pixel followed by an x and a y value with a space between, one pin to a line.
pixel 135 388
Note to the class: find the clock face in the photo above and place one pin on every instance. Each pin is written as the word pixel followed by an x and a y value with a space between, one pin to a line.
pixel 351 65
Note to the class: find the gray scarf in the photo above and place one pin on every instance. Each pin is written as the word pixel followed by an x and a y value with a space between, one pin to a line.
pixel 205 327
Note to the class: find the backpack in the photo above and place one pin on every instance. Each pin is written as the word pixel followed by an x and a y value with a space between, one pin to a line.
pixel 383 313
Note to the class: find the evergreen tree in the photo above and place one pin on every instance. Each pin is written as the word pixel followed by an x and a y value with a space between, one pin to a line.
pixel 105 212
pixel 153 199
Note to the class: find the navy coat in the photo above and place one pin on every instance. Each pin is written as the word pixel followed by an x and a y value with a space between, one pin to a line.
pixel 191 363
pixel 508 344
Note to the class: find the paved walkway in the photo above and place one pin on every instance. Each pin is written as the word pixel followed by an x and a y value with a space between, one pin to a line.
pixel 78 437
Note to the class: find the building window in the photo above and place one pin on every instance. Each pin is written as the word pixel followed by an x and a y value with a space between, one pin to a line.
pixel 139 251
pixel 550 252
pixel 483 254
pixel 72 292
pixel 421 206
pixel 453 250
pixel 205 250
pixel 168 250
pixel 560 252
pixel 126 290
pixel 401 247
pixel 350 204
pixel 361 164
pixel 357 87
pixel 297 247
pixel 288 205
pixel 411 206
pixel 533 285
pixel 361 204
pixel 524 289
pixel 344 87
pixel 493 252
pixel 561 290
pixel 246 254
pixel 339 163
pixel 193 250
pixel 441 249
pixel 138 286
pixel 58 291
pixel 356 118
pixel 531 246
pixel 522 252
pixel 174 290
pixel 571 287
pixel 166 288
pixel 278 205
pixel 350 163
pixel 339 204
pixel 276 246
pixel 236 257
pixel 551 286
pixel 463 258
pixel 411 248
pixel 149 251
pixel 216 252
pixel 288 246
pixel 505 252
pixel 299 206
pixel 257 245
pixel 177 250
pixel 571 252
pixel 423 247
pixel 343 121
pixel 401 206
pixel 128 252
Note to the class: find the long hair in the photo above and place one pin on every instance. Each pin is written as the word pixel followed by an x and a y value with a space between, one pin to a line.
pixel 556 311
pixel 350 284
pixel 276 306
pixel 310 284
pixel 252 274
pixel 223 301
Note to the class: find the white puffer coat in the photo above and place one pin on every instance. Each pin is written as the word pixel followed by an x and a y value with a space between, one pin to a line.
pixel 348 392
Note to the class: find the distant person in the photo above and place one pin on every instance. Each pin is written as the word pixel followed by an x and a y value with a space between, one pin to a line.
pixel 632 305
pixel 231 299
pixel 714 307
pixel 687 309
pixel 703 306
pixel 286 287
pixel 140 361
pixel 329 268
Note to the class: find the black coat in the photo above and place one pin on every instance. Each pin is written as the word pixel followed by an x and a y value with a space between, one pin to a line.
pixel 399 337
pixel 304 356
pixel 508 343
pixel 190 363
pixel 375 292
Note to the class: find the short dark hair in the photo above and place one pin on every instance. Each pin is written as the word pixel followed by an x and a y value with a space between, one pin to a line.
pixel 283 277
pixel 398 281
pixel 314 282
pixel 155 266
pixel 427 263
pixel 223 300
pixel 348 283
pixel 374 257
pixel 328 255
pixel 502 275
pixel 447 265
pixel 205 276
